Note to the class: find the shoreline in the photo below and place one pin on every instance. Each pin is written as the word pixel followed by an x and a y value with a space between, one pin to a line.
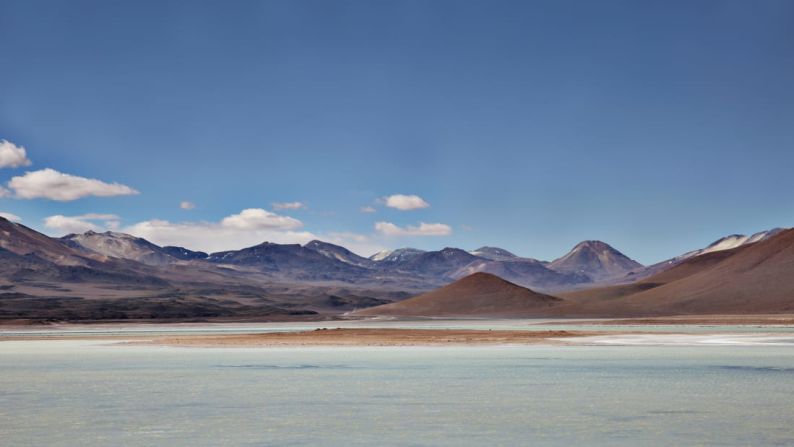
pixel 695 320
pixel 336 337
pixel 340 337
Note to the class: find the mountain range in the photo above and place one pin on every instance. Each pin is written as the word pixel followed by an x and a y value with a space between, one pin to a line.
pixel 738 278
pixel 588 262
pixel 113 275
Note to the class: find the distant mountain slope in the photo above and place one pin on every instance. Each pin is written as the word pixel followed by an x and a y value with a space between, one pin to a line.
pixel 21 240
pixel 732 241
pixel 292 261
pixel 480 294
pixel 120 245
pixel 752 278
pixel 339 253
pixel 184 254
pixel 395 256
pixel 31 257
pixel 595 259
pixel 443 264
pixel 494 254
pixel 724 243
pixel 526 272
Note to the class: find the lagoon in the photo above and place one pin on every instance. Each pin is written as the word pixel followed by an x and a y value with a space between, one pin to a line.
pixel 94 392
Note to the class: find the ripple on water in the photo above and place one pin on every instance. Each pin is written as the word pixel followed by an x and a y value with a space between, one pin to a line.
pixel 280 367
pixel 761 369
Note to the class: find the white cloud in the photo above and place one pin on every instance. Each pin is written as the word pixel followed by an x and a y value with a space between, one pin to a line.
pixel 12 156
pixel 98 216
pixel 186 205
pixel 259 219
pixel 288 205
pixel 367 209
pixel 81 224
pixel 405 202
pixel 424 229
pixel 11 217
pixel 51 184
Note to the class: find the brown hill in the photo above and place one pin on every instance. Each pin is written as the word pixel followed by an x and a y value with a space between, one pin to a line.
pixel 480 294
pixel 750 279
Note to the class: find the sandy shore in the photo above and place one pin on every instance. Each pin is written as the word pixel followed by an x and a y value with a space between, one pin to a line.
pixel 368 337
pixel 715 320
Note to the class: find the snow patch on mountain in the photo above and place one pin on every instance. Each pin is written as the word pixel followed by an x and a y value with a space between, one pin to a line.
pixel 730 242
pixel 396 256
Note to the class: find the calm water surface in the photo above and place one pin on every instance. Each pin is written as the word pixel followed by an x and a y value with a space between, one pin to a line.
pixel 91 393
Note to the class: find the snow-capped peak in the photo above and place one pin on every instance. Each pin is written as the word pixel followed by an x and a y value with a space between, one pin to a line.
pixel 381 255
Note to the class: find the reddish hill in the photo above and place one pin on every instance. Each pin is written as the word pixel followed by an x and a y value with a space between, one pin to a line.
pixel 480 294
pixel 751 279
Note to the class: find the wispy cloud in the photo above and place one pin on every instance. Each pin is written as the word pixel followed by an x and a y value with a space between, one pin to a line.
pixel 186 205
pixel 51 184
pixel 288 205
pixel 423 229
pixel 12 156
pixel 367 209
pixel 404 202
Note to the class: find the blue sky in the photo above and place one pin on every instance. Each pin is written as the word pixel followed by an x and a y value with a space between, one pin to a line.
pixel 654 126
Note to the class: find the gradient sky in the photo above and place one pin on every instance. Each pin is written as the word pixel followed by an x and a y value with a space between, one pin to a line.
pixel 656 126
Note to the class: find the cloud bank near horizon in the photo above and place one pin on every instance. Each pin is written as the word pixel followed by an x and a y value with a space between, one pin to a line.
pixel 247 228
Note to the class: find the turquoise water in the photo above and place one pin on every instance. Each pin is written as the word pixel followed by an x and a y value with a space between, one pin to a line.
pixel 89 393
